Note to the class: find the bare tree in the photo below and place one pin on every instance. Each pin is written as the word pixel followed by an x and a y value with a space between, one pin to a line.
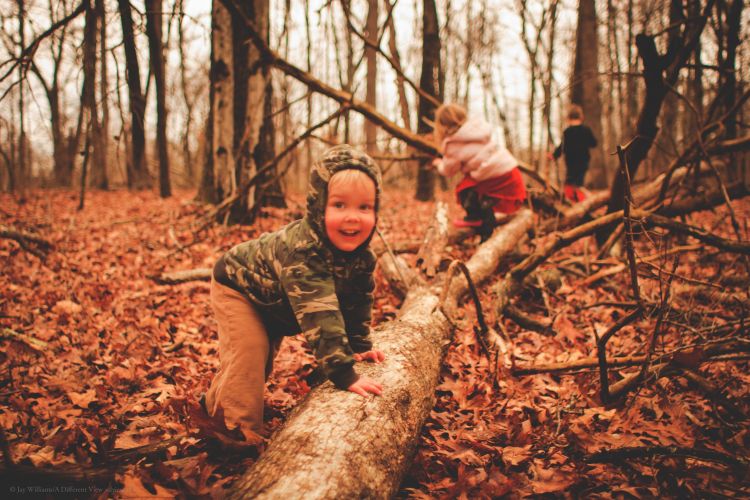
pixel 156 52
pixel 730 15
pixel 585 88
pixel 430 83
pixel 138 175
pixel 20 176
pixel 692 120
pixel 187 157
pixel 400 86
pixel 237 104
pixel 371 32
pixel 270 193
pixel 99 177
pixel 533 44
pixel 88 95
pixel 660 72
pixel 62 155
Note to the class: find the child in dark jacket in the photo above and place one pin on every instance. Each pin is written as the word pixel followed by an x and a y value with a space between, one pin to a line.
pixel 576 142
pixel 312 276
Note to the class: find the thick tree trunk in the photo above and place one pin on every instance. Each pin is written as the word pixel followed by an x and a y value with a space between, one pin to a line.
pixel 236 114
pixel 218 181
pixel 138 175
pixel 337 444
pixel 89 90
pixel 585 86
pixel 250 77
pixel 270 193
pixel 430 83
pixel 156 53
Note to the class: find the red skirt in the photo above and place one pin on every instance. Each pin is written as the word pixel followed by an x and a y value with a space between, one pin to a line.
pixel 574 193
pixel 508 189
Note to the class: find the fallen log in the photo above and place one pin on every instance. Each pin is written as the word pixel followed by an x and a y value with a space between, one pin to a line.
pixel 336 444
pixel 618 455
pixel 436 237
pixel 679 357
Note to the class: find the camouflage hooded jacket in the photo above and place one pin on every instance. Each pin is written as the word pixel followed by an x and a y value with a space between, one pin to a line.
pixel 300 282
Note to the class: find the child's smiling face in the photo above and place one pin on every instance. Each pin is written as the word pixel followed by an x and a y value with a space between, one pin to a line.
pixel 350 209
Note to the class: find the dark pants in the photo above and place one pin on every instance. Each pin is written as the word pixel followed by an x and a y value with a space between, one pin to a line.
pixel 479 208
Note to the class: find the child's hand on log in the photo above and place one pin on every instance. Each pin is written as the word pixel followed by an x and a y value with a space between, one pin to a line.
pixel 365 386
pixel 373 355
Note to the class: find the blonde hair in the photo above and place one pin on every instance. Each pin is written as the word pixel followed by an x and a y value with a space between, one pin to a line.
pixel 348 177
pixel 448 119
pixel 575 112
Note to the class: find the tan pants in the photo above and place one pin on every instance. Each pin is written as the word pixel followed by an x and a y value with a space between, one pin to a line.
pixel 245 360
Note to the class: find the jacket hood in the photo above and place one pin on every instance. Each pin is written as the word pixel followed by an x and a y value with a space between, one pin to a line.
pixel 335 159
pixel 473 130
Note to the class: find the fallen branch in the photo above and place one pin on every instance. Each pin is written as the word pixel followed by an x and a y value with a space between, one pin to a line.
pixel 698 233
pixel 365 109
pixel 513 280
pixel 601 351
pixel 36 345
pixel 620 454
pixel 31 242
pixel 709 356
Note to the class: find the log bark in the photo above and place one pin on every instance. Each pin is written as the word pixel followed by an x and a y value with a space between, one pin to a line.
pixel 338 445
pixel 436 237
pixel 487 257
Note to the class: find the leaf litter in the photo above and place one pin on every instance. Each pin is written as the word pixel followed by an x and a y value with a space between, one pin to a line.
pixel 105 367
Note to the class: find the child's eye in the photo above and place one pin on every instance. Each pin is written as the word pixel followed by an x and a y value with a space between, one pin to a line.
pixel 338 204
pixel 365 207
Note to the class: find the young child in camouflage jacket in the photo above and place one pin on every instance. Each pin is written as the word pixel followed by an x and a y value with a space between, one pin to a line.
pixel 312 276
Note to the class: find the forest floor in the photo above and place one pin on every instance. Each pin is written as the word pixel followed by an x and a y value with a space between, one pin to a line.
pixel 98 361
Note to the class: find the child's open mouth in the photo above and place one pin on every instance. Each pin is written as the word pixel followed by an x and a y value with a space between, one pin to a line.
pixel 349 233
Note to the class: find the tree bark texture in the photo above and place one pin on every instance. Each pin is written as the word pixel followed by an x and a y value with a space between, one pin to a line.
pixel 156 53
pixel 20 174
pixel 88 96
pixel 585 88
pixel 218 181
pixel 436 238
pixel 138 175
pixel 99 175
pixel 430 83
pixel 250 77
pixel 270 193
pixel 336 444
pixel 371 56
